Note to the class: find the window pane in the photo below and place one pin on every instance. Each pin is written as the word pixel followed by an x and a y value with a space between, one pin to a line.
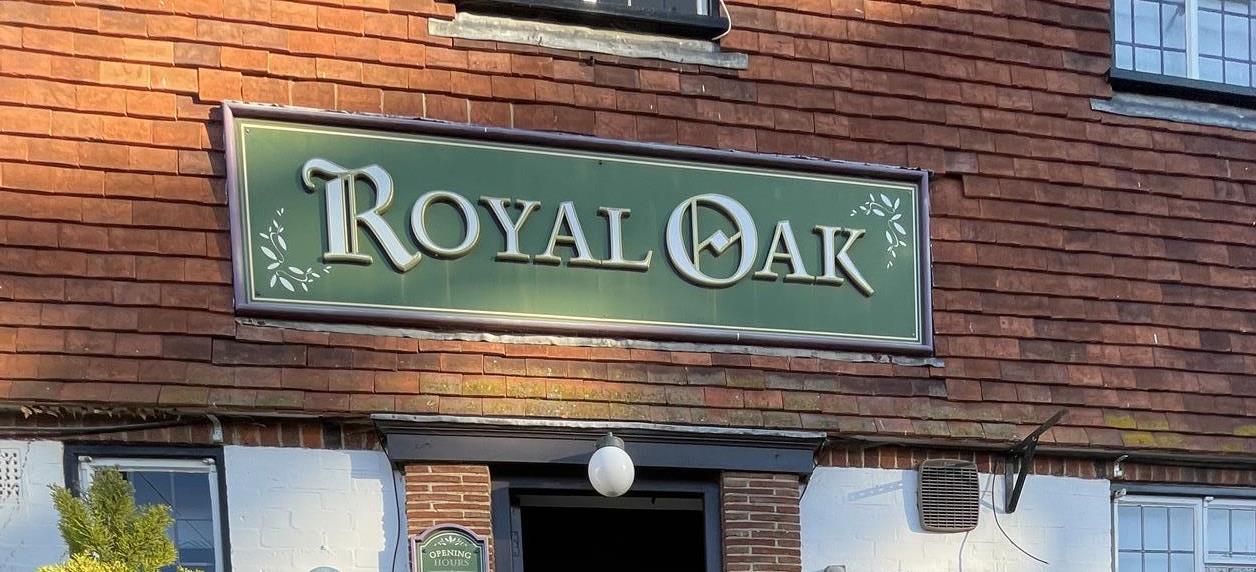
pixel 1130 562
pixel 191 493
pixel 1146 23
pixel 1125 57
pixel 1155 529
pixel 1210 69
pixel 1236 74
pixel 1175 64
pixel 1182 529
pixel 1124 21
pixel 1236 6
pixel 1173 25
pixel 669 6
pixel 194 534
pixel 1182 562
pixel 1243 532
pixel 685 6
pixel 1210 33
pixel 151 487
pixel 1218 538
pixel 1130 526
pixel 1155 562
pixel 1236 42
pixel 1147 60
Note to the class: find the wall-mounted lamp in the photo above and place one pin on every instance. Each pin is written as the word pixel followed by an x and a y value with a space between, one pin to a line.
pixel 1117 470
pixel 611 471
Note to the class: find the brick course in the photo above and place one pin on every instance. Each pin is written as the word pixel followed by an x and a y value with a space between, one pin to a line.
pixel 1082 259
pixel 760 522
pixel 896 457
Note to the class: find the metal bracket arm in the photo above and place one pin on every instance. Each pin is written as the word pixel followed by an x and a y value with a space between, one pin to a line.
pixel 1018 461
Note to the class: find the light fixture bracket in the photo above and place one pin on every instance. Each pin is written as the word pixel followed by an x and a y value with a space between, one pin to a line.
pixel 609 440
pixel 1019 460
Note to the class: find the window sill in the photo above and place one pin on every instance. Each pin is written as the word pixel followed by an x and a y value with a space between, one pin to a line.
pixel 1179 110
pixel 1185 88
pixel 469 26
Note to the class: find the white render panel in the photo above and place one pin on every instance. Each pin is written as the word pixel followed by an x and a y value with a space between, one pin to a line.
pixel 868 521
pixel 296 510
pixel 28 521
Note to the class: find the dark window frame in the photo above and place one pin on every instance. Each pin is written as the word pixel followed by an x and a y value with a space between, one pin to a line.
pixel 506 486
pixel 1149 83
pixel 601 15
pixel 70 463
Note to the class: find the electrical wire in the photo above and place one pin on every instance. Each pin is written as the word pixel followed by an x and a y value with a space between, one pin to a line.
pixel 995 509
pixel 399 504
pixel 17 431
pixel 727 15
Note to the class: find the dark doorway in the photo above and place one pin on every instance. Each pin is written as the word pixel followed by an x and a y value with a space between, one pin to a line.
pixel 627 534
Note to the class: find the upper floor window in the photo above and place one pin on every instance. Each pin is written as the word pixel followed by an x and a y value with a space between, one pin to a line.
pixel 1185 534
pixel 695 18
pixel 1199 44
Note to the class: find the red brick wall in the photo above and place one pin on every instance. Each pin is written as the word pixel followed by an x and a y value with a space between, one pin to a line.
pixel 760 519
pixel 441 494
pixel 1084 260
pixel 193 430
pixel 450 494
pixel 894 457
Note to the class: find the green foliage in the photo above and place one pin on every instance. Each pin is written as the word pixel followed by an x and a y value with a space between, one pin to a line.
pixel 107 532
pixel 84 563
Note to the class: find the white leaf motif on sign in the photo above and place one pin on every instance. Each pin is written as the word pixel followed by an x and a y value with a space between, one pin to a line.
pixel 286 275
pixel 895 232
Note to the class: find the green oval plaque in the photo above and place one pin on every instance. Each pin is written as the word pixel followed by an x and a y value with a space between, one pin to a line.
pixel 448 548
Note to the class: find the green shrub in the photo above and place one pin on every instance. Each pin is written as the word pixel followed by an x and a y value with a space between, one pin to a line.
pixel 106 532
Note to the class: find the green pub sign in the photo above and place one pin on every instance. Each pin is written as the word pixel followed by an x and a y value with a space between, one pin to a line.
pixel 436 225
pixel 448 548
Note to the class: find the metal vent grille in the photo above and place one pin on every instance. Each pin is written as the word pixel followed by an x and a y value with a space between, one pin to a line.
pixel 10 475
pixel 949 495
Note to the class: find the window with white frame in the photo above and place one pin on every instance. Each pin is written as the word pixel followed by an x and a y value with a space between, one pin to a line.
pixel 1212 41
pixel 189 487
pixel 1185 534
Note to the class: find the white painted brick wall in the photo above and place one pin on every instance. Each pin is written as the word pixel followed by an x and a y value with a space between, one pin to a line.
pixel 295 510
pixel 28 523
pixel 867 520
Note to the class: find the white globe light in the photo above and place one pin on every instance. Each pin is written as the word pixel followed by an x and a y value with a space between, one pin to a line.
pixel 611 471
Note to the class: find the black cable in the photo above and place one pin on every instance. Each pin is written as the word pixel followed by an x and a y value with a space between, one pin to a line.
pixel 399 505
pixel 14 431
pixel 995 509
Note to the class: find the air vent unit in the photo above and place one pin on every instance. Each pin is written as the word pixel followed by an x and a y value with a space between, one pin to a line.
pixel 949 495
pixel 10 475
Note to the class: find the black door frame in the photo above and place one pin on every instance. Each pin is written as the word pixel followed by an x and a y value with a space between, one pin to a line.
pixel 507 529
